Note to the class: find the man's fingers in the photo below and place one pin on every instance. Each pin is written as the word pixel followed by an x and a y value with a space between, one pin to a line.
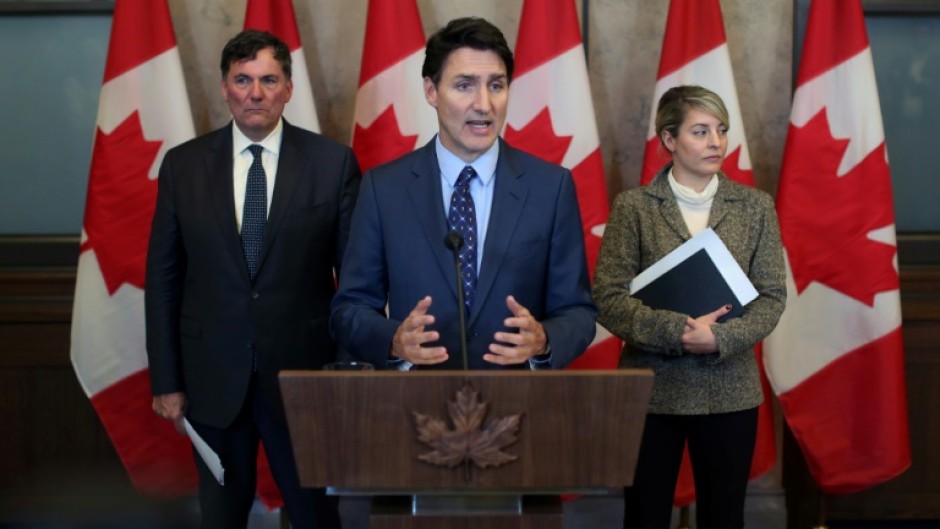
pixel 511 338
pixel 417 323
pixel 427 355
pixel 523 323
pixel 416 339
pixel 504 355
pixel 516 308
pixel 422 306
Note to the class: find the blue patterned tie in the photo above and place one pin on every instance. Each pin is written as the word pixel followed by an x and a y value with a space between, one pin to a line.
pixel 254 214
pixel 463 219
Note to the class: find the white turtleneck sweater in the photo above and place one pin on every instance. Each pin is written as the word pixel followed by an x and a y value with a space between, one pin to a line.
pixel 695 206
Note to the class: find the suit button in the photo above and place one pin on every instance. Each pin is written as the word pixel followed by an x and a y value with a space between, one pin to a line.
pixel 249 346
pixel 255 294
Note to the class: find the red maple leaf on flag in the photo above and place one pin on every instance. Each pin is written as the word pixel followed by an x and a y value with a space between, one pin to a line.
pixel 539 138
pixel 121 200
pixel 826 219
pixel 382 141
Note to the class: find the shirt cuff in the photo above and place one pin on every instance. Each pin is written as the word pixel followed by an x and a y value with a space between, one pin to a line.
pixel 542 361
pixel 399 364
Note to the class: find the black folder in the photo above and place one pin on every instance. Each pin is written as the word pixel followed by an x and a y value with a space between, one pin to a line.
pixel 696 284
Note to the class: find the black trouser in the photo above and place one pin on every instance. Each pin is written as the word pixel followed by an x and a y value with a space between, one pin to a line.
pixel 720 446
pixel 228 506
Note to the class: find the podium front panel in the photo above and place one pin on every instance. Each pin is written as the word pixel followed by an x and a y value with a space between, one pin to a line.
pixel 576 429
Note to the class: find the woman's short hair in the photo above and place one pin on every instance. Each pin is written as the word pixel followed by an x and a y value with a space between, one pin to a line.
pixel 675 103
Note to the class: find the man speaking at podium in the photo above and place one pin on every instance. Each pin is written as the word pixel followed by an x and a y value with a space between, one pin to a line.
pixel 510 219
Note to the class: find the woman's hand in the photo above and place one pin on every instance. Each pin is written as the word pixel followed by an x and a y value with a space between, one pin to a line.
pixel 698 337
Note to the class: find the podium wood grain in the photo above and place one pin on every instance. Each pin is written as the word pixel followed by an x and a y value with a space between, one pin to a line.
pixel 355 430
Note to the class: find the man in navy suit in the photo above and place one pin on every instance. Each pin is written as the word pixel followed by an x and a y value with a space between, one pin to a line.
pixel 529 301
pixel 250 224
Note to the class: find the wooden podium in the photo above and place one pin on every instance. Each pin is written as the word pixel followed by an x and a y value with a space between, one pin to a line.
pixel 417 441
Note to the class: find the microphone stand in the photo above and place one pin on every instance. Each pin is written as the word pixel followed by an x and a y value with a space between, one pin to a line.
pixel 454 241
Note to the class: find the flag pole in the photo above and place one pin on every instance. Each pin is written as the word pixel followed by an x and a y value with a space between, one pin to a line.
pixel 585 41
pixel 821 514
pixel 685 521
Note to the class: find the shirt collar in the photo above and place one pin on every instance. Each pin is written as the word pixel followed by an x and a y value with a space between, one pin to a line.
pixel 450 165
pixel 272 142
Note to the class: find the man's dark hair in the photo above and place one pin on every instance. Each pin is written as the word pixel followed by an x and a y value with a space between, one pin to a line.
pixel 469 32
pixel 246 45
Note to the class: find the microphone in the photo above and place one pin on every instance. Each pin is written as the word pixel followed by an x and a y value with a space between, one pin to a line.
pixel 454 241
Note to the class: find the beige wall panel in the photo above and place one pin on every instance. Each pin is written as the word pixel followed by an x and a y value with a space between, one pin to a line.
pixel 625 39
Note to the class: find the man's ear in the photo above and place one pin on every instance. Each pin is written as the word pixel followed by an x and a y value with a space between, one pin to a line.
pixel 290 90
pixel 430 92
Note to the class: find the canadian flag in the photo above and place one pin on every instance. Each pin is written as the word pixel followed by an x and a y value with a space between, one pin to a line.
pixel 143 110
pixel 836 359
pixel 391 115
pixel 277 17
pixel 551 115
pixel 695 51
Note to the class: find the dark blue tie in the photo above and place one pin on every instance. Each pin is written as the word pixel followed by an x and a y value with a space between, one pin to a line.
pixel 255 212
pixel 463 219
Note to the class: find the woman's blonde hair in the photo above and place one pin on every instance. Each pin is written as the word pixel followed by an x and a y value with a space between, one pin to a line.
pixel 675 103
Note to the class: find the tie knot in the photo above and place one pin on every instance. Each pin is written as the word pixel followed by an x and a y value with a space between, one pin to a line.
pixel 465 176
pixel 255 150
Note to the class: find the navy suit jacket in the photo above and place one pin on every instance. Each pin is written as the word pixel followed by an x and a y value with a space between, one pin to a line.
pixel 206 319
pixel 534 250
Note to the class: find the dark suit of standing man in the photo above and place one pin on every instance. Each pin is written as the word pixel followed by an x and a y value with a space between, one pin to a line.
pixel 219 329
pixel 531 303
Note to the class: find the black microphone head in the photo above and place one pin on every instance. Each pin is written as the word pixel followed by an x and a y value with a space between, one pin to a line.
pixel 453 240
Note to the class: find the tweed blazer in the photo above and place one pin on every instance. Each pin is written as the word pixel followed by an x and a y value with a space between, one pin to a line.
pixel 645 225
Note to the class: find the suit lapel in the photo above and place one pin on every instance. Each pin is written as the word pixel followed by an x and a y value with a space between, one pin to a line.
pixel 725 197
pixel 424 189
pixel 219 171
pixel 669 208
pixel 509 197
pixel 290 165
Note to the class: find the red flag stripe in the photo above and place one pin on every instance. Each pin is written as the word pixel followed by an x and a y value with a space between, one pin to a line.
pixel 274 16
pixel 393 32
pixel 158 459
pixel 840 445
pixel 139 32
pixel 693 28
pixel 827 52
pixel 546 33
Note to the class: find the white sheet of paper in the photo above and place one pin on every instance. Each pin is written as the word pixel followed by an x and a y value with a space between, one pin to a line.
pixel 206 452
pixel 709 240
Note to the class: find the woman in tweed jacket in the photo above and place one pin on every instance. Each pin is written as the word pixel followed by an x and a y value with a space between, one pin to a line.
pixel 707 387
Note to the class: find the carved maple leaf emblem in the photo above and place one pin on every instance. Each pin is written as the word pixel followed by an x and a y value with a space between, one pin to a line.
pixel 826 219
pixel 121 200
pixel 468 440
